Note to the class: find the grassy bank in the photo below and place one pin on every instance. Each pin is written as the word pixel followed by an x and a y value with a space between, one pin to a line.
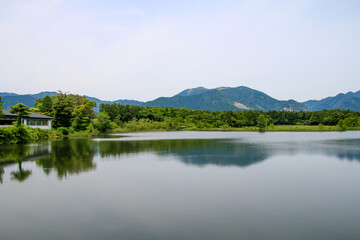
pixel 279 128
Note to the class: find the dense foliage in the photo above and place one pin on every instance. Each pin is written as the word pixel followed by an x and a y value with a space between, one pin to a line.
pixel 68 110
pixel 172 118
pixel 22 134
pixel 21 110
pixel 45 105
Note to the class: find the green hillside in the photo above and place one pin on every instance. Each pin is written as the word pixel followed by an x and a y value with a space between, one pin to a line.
pixel 192 91
pixel 239 98
pixel 348 101
pixel 11 99
pixel 218 99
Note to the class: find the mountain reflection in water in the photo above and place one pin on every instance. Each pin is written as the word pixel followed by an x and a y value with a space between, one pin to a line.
pixel 74 156
pixel 195 151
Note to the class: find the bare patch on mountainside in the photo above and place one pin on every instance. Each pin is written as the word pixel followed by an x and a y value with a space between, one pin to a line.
pixel 241 106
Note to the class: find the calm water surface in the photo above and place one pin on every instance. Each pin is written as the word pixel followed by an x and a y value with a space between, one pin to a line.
pixel 183 185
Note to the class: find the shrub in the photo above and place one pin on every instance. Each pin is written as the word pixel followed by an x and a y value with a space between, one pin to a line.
pixel 62 131
pixel 21 134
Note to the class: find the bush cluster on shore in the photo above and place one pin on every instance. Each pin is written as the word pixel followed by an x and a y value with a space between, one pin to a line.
pixel 22 134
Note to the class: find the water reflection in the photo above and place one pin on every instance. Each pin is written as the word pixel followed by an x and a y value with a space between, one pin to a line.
pixel 74 156
pixel 195 152
pixel 342 149
pixel 20 175
pixel 69 157
pixel 235 152
pixel 347 149
pixel 1 174
pixel 64 157
pixel 18 154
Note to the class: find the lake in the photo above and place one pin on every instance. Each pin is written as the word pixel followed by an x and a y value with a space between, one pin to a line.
pixel 183 185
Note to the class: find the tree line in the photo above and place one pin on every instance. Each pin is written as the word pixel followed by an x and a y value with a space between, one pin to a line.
pixel 75 113
pixel 122 115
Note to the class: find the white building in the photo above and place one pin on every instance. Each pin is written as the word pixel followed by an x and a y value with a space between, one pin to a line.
pixel 33 120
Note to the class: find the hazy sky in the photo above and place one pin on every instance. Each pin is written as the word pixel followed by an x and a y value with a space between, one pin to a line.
pixel 143 49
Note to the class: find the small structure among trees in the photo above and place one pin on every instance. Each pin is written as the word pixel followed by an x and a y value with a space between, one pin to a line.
pixel 33 120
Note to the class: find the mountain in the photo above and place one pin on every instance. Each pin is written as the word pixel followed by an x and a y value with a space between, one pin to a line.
pixel 11 99
pixel 5 94
pixel 217 99
pixel 225 98
pixel 192 91
pixel 120 101
pixel 348 101
pixel 43 94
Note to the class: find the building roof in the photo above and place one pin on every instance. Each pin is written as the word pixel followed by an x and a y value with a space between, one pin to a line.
pixel 7 113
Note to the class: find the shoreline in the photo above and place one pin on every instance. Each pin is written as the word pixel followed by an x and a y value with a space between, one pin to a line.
pixel 276 128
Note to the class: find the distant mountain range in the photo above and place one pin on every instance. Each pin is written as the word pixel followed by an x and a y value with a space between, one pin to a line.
pixel 348 101
pixel 225 98
pixel 10 99
pixel 217 99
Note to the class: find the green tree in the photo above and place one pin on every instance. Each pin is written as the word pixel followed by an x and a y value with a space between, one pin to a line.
pixel 83 115
pixel 46 106
pixel 349 122
pixel 21 110
pixel 262 122
pixel 63 108
pixel 103 122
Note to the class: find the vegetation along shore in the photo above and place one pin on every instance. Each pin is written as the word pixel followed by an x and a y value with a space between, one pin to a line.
pixel 73 116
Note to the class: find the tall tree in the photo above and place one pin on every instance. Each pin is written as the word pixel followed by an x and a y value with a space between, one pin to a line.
pixel 21 110
pixel 262 122
pixel 83 114
pixel 103 122
pixel 47 106
pixel 63 108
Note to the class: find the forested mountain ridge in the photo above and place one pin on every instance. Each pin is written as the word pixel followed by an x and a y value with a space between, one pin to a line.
pixel 348 101
pixel 225 98
pixel 11 99
pixel 192 91
pixel 217 99
pixel 120 101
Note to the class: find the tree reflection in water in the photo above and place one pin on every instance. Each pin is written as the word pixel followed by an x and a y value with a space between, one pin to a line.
pixel 1 174
pixel 64 157
pixel 74 156
pixel 69 157
pixel 20 175
pixel 19 154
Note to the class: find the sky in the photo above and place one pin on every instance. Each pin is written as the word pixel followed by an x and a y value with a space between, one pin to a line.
pixel 144 49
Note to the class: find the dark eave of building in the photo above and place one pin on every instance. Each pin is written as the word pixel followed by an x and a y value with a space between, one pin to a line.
pixel 33 115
